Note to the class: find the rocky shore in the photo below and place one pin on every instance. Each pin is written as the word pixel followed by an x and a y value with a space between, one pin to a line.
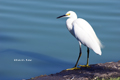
pixel 101 70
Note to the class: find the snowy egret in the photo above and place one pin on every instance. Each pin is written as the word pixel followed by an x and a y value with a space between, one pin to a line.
pixel 85 35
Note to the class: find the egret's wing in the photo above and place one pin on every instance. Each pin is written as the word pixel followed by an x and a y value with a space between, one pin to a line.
pixel 87 27
pixel 86 35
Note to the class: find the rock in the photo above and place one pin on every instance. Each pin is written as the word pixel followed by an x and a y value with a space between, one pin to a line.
pixel 103 75
pixel 101 70
pixel 118 65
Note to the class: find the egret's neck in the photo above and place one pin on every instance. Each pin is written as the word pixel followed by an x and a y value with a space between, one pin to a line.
pixel 69 24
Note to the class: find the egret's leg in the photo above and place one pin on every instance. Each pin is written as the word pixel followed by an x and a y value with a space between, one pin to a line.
pixel 75 67
pixel 87 65
pixel 87 57
pixel 80 53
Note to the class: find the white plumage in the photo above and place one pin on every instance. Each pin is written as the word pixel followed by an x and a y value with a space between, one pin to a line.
pixel 83 32
pixel 86 35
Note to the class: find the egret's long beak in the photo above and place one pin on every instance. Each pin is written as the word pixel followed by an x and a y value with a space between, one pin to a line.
pixel 61 16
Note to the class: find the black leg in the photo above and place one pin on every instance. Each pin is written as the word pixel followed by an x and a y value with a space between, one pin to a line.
pixel 79 56
pixel 87 56
pixel 87 65
pixel 75 68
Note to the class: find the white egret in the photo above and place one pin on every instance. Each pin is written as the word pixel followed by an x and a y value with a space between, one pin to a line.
pixel 85 35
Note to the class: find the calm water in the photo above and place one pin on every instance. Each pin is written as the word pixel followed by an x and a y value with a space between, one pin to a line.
pixel 29 30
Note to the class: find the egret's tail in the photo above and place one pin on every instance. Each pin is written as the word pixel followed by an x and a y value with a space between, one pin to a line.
pixel 97 50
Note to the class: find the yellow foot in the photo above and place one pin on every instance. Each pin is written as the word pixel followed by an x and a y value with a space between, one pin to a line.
pixel 74 68
pixel 85 66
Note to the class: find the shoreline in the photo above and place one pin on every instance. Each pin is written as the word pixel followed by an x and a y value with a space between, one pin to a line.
pixel 100 70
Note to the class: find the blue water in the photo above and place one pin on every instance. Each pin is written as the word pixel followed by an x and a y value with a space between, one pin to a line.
pixel 29 30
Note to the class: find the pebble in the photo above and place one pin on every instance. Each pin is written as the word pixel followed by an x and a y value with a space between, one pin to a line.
pixel 119 68
pixel 103 75
pixel 118 65
pixel 114 67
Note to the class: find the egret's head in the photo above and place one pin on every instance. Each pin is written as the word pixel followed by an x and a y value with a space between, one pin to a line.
pixel 69 14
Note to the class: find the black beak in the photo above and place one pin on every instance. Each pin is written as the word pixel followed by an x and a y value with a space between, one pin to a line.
pixel 61 16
